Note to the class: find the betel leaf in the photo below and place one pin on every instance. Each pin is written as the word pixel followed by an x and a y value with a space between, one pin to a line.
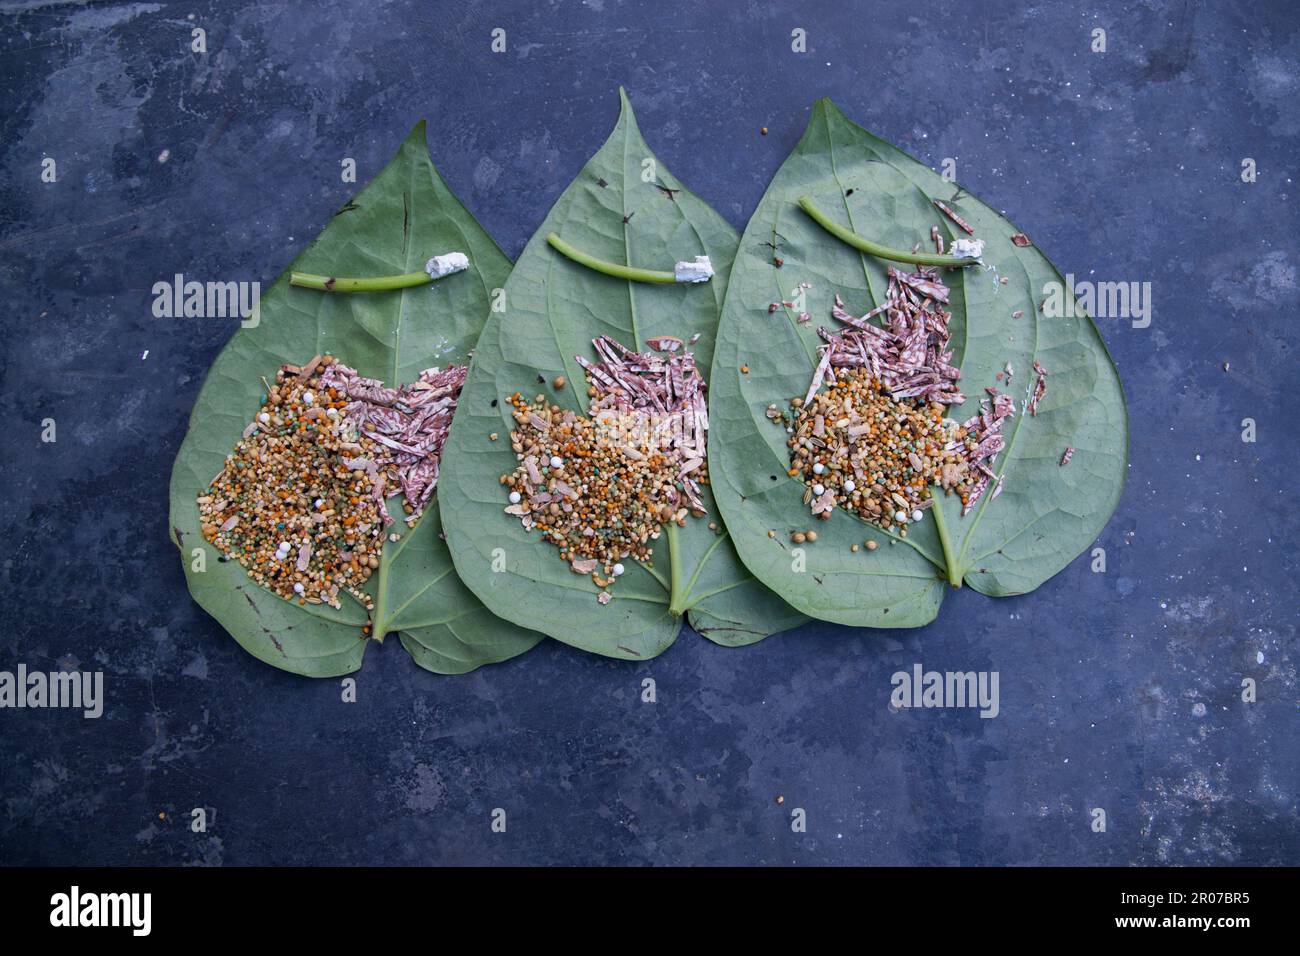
pixel 403 217
pixel 1046 515
pixel 625 208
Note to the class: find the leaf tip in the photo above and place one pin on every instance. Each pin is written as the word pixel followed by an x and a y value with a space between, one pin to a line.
pixel 626 116
pixel 625 105
pixel 826 108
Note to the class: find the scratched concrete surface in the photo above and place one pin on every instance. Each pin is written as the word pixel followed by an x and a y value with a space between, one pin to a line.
pixel 1119 690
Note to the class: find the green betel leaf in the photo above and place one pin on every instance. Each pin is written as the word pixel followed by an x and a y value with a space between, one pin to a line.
pixel 1047 513
pixel 625 208
pixel 403 217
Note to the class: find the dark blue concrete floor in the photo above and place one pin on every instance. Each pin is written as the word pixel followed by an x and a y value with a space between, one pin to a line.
pixel 1119 690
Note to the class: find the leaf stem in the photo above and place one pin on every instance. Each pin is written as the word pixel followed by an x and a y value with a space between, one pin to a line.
pixel 875 248
pixel 306 280
pixel 950 559
pixel 677 594
pixel 689 590
pixel 378 624
pixel 379 616
pixel 608 268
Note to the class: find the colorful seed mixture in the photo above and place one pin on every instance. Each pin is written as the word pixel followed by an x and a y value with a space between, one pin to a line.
pixel 300 502
pixel 855 447
pixel 876 439
pixel 600 486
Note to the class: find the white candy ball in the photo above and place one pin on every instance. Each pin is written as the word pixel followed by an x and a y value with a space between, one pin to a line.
pixel 618 570
pixel 819 468
pixel 556 461
pixel 819 489
pixel 850 486
pixel 917 515
pixel 900 515
pixel 515 498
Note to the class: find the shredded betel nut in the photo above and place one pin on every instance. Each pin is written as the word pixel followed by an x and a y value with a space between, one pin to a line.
pixel 411 423
pixel 300 502
pixel 600 486
pixel 876 438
